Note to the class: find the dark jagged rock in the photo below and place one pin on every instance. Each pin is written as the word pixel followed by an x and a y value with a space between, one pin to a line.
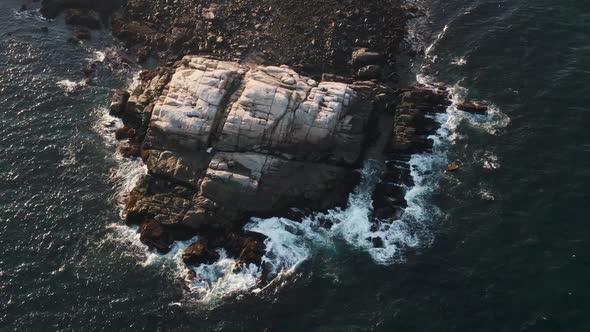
pixel 82 34
pixel 125 133
pixel 119 102
pixel 130 150
pixel 472 107
pixel 412 127
pixel 83 19
pixel 410 136
pixel 155 235
pixel 52 8
pixel 275 31
pixel 199 253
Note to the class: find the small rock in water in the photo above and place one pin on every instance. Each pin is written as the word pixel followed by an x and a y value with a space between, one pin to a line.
pixel 82 34
pixel 472 107
pixel 487 196
pixel 452 167
pixel 377 242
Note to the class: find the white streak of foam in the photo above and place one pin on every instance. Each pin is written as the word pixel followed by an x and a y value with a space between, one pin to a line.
pixel 70 86
pixel 222 279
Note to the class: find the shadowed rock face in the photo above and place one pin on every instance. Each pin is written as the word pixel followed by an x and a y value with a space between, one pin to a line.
pixel 52 8
pixel 224 141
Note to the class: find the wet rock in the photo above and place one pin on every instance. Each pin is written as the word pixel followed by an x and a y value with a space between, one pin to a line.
pixel 155 235
pixel 249 248
pixel 472 107
pixel 199 253
pixel 160 200
pixel 124 133
pixel 142 54
pixel 89 70
pixel 412 126
pixel 119 102
pixel 82 34
pixel 452 167
pixel 130 150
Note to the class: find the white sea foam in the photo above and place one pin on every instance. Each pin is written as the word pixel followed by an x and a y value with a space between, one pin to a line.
pixel 460 61
pixel 97 56
pixel 222 279
pixel 70 86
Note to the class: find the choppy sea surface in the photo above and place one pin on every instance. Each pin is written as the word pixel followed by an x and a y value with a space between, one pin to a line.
pixel 500 245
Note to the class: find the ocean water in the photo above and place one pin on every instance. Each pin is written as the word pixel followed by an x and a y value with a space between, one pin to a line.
pixel 500 245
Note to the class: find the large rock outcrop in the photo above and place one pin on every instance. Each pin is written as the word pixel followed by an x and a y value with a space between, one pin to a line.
pixel 223 142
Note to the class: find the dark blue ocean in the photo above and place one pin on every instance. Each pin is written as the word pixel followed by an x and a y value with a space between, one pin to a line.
pixel 500 245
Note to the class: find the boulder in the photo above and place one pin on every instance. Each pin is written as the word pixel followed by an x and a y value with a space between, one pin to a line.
pixel 412 126
pixel 129 150
pixel 119 102
pixel 472 107
pixel 124 133
pixel 155 235
pixel 247 248
pixel 199 253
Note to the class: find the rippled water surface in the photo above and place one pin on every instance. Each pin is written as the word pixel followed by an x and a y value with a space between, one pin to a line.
pixel 479 250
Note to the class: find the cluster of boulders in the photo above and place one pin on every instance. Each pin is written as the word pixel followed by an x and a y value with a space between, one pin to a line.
pixel 83 15
pixel 310 36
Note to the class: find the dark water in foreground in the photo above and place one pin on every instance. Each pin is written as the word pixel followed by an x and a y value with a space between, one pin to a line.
pixel 519 263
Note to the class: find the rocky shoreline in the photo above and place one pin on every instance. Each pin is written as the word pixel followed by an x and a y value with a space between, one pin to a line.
pixel 259 107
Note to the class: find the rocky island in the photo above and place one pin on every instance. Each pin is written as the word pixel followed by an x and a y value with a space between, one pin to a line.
pixel 258 107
